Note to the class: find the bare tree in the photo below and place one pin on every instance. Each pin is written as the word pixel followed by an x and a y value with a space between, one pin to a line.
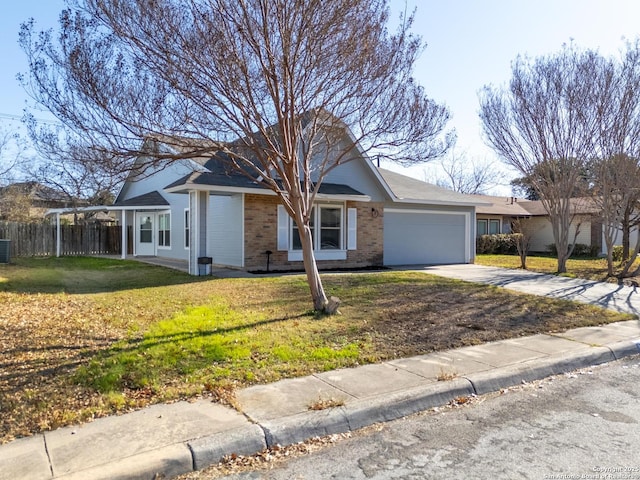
pixel 544 125
pixel 616 167
pixel 268 86
pixel 616 192
pixel 85 176
pixel 12 150
pixel 464 175
pixel 15 203
pixel 524 229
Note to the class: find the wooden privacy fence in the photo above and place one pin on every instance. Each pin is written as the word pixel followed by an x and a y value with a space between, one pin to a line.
pixel 38 239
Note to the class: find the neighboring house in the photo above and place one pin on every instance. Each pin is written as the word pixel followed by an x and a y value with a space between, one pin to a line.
pixel 497 216
pixel 363 216
pixel 24 201
pixel 502 211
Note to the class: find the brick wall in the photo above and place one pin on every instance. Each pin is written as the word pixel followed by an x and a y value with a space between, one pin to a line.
pixel 261 231
pixel 261 234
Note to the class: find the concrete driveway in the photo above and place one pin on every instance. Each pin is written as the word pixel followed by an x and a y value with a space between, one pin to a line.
pixel 620 298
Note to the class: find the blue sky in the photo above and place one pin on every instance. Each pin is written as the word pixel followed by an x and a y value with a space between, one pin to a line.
pixel 470 43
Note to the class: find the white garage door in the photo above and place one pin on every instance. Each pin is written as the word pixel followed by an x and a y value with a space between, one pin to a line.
pixel 412 238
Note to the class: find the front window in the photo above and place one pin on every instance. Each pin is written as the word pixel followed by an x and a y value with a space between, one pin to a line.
pixel 296 243
pixel 487 227
pixel 164 230
pixel 482 228
pixel 330 232
pixel 330 228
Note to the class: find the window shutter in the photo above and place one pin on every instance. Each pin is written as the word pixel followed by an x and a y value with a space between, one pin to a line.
pixel 352 228
pixel 283 228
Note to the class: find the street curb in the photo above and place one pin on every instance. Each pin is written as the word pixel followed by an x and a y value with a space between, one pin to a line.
pixel 625 348
pixel 407 402
pixel 364 412
pixel 537 369
pixel 208 450
pixel 303 426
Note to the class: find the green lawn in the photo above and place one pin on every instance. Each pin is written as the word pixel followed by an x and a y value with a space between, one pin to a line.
pixel 87 337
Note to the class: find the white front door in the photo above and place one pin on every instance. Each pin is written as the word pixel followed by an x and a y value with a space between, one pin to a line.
pixel 145 234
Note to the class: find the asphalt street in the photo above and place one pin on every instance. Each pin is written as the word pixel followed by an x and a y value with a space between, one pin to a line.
pixel 580 425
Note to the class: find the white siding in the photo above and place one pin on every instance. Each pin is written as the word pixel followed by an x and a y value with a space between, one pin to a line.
pixel 177 249
pixel 158 181
pixel 226 231
pixel 543 236
pixel 178 202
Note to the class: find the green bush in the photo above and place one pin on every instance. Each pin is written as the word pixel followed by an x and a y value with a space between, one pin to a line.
pixel 500 244
pixel 616 253
pixel 580 250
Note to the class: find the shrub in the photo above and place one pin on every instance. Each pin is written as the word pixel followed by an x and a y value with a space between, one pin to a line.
pixel 580 250
pixel 616 253
pixel 501 244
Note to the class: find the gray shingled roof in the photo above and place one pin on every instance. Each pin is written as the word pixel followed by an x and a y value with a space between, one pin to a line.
pixel 503 206
pixel 241 181
pixel 151 199
pixel 410 189
pixel 522 208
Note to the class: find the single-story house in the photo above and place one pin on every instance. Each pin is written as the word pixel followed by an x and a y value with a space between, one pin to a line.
pixel 195 210
pixel 498 216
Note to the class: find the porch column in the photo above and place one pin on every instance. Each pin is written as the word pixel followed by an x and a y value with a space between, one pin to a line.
pixel 135 233
pixel 198 228
pixel 194 232
pixel 58 235
pixel 123 243
pixel 203 213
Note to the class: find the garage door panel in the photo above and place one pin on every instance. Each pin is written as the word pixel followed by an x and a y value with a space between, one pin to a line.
pixel 424 238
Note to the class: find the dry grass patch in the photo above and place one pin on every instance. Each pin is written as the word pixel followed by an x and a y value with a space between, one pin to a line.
pixel 83 338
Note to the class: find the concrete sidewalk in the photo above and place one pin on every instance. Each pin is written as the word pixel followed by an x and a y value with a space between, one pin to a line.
pixel 177 438
pixel 168 440
pixel 620 298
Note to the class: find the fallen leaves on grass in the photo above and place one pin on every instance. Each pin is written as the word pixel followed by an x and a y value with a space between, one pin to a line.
pixel 46 337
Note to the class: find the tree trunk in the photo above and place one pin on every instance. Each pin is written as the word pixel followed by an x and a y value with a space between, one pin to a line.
pixel 521 245
pixel 562 263
pixel 629 262
pixel 625 234
pixel 318 295
pixel 523 260
pixel 562 247
pixel 609 263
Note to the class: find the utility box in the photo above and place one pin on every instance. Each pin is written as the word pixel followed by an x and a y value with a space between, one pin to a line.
pixel 206 264
pixel 5 251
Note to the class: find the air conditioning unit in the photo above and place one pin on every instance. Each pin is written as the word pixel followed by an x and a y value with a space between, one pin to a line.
pixel 5 251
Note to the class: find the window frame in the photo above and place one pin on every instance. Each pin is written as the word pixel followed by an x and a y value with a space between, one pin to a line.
pixel 187 228
pixel 162 243
pixel 486 228
pixel 340 253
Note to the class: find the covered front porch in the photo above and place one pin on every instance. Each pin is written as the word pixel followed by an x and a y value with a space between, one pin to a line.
pixel 183 266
